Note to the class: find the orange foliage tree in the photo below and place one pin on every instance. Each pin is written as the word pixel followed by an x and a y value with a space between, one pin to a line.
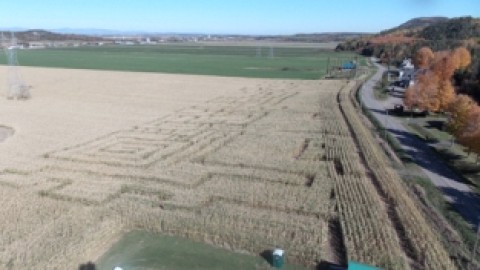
pixel 460 110
pixel 412 97
pixel 445 94
pixel 464 59
pixel 423 57
pixel 434 90
pixel 423 95
pixel 470 136
pixel 444 65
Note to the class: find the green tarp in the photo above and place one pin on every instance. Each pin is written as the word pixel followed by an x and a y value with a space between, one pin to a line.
pixel 359 266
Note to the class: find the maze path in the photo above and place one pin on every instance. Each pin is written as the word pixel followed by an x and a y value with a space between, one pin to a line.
pixel 141 150
pixel 90 192
pixel 263 227
pixel 240 227
pixel 194 167
pixel 207 186
pixel 15 180
pixel 251 192
pixel 160 145
pixel 187 135
pixel 180 175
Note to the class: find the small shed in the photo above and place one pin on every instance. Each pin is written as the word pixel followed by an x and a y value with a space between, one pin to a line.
pixel 349 65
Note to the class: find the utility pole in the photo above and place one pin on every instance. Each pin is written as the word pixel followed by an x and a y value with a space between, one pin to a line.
pixel 328 67
pixel 355 68
pixel 2 40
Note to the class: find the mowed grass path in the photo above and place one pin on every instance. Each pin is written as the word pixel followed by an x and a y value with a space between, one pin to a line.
pixel 236 61
pixel 142 250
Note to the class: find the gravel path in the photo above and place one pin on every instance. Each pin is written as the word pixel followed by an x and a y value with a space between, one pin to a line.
pixel 466 202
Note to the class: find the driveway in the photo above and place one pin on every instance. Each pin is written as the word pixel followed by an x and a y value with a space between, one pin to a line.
pixel 466 202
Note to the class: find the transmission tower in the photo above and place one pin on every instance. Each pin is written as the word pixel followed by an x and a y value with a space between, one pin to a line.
pixel 16 87
pixel 259 52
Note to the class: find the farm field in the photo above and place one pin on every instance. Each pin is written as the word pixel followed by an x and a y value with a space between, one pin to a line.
pixel 291 62
pixel 242 164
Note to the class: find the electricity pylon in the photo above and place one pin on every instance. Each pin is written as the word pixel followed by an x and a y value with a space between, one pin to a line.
pixel 16 87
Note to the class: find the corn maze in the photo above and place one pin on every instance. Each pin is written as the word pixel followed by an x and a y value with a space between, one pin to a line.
pixel 285 164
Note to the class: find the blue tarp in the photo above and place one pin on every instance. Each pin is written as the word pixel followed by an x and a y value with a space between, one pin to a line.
pixel 349 65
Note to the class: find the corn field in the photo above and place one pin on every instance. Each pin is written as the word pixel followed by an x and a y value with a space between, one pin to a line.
pixel 268 163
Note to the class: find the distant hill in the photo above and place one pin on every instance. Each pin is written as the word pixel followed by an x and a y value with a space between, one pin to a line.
pixel 99 34
pixel 402 41
pixel 458 28
pixel 416 24
pixel 42 35
pixel 90 32
pixel 324 37
pixel 438 33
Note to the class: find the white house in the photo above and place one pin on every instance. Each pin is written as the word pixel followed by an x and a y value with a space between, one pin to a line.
pixel 407 64
pixel 408 72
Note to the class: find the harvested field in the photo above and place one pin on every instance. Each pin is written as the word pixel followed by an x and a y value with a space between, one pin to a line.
pixel 242 164
pixel 5 132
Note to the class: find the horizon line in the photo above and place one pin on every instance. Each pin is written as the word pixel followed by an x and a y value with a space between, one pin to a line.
pixel 70 30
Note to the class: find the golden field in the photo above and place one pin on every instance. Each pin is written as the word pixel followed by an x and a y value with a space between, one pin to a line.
pixel 244 164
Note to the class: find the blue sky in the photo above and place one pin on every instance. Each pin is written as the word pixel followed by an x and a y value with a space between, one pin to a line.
pixel 227 16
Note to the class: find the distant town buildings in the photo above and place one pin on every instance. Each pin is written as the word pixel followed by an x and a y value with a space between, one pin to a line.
pixel 44 40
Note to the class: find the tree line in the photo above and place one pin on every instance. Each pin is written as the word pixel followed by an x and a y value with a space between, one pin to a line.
pixel 440 36
pixel 434 91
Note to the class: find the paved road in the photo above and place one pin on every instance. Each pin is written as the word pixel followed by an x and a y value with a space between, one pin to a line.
pixel 459 194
